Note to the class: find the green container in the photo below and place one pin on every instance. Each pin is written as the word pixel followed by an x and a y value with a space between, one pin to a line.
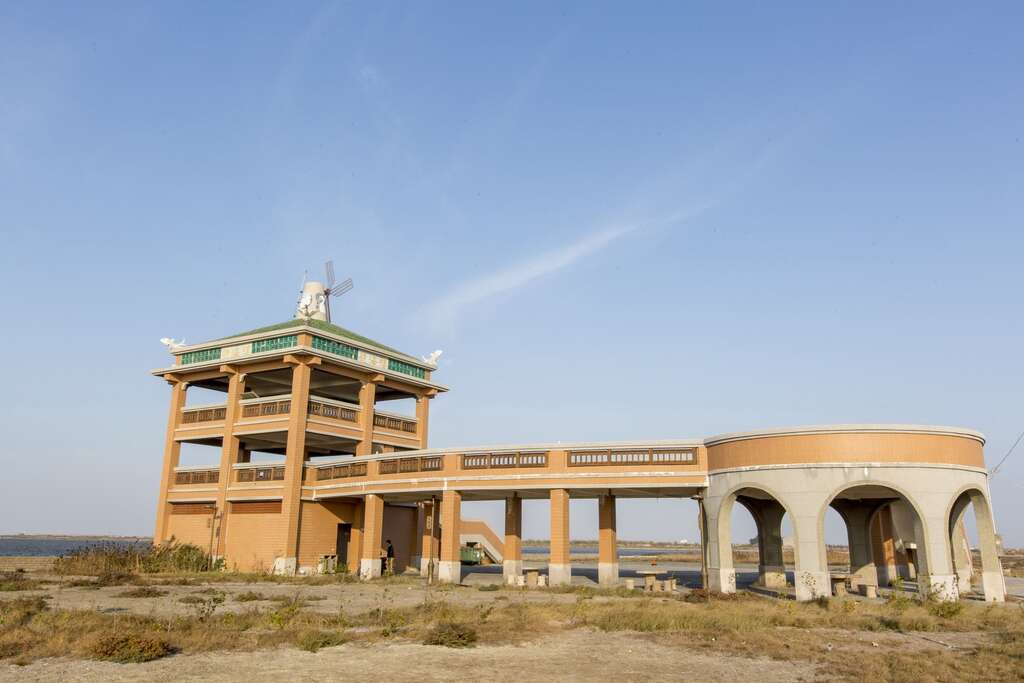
pixel 471 555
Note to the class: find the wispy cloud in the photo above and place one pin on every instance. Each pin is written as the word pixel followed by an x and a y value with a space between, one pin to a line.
pixel 443 313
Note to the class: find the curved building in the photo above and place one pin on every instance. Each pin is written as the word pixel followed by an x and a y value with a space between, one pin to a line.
pixel 308 470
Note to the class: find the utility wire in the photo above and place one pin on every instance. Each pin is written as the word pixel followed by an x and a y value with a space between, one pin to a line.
pixel 1014 446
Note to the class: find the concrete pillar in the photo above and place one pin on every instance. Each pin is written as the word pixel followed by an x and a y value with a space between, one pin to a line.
pixel 607 551
pixel 721 574
pixel 810 577
pixel 768 514
pixel 172 455
pixel 857 516
pixel 295 464
pixel 367 401
pixel 372 542
pixel 229 453
pixel 559 567
pixel 512 558
pixel 963 566
pixel 883 546
pixel 450 566
pixel 422 419
pixel 431 536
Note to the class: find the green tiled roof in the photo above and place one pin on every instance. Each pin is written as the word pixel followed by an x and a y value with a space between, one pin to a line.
pixel 319 325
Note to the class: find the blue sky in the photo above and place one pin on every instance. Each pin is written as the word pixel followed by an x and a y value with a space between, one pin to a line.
pixel 618 220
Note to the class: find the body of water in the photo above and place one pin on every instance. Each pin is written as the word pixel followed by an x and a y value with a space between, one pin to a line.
pixel 38 547
pixel 592 550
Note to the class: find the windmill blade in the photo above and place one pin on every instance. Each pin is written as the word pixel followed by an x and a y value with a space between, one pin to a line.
pixel 340 289
pixel 329 268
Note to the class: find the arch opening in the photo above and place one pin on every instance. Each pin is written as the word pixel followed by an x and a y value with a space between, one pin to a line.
pixel 976 567
pixel 759 535
pixel 885 540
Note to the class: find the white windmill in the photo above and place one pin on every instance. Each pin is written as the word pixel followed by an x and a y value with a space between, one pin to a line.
pixel 315 299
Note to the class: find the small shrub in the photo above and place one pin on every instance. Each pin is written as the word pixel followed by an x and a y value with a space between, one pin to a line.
pixel 128 648
pixel 312 641
pixel 451 634
pixel 945 609
pixel 250 596
pixel 143 592
pixel 16 581
pixel 489 587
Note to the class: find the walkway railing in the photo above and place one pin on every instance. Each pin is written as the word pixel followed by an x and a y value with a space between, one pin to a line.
pixel 654 456
pixel 487 461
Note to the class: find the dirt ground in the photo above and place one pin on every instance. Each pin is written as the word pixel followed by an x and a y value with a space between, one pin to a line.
pixel 566 654
pixel 569 656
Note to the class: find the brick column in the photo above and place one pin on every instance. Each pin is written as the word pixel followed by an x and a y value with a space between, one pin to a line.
pixel 559 569
pixel 373 528
pixel 449 569
pixel 607 553
pixel 512 559
pixel 295 463
pixel 229 453
pixel 367 400
pixel 431 536
pixel 172 453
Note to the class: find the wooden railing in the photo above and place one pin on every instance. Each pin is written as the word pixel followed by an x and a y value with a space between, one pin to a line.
pixel 335 411
pixel 211 476
pixel 254 474
pixel 208 414
pixel 428 463
pixel 394 422
pixel 355 469
pixel 486 461
pixel 649 456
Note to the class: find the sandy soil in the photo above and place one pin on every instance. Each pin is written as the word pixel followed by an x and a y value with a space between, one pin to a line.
pixel 570 656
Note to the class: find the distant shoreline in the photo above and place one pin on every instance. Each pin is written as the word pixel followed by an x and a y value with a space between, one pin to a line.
pixel 71 537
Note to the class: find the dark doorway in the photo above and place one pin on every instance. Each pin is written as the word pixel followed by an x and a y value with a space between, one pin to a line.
pixel 344 535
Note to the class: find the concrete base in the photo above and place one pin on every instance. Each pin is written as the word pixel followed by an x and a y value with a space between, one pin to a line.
pixel 449 572
pixel 608 573
pixel 994 586
pixel 369 569
pixel 722 580
pixel 510 569
pixel 941 586
pixel 773 577
pixel 424 565
pixel 963 584
pixel 285 565
pixel 811 585
pixel 865 576
pixel 414 561
pixel 559 574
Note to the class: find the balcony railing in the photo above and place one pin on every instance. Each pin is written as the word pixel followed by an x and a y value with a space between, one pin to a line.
pixel 649 456
pixel 255 474
pixel 397 423
pixel 428 463
pixel 187 477
pixel 266 407
pixel 355 469
pixel 203 414
pixel 486 461
pixel 335 410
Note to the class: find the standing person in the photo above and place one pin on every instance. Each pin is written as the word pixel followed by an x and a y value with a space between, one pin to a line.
pixel 389 552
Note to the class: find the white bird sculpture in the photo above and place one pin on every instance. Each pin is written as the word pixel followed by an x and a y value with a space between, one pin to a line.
pixel 432 358
pixel 171 344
